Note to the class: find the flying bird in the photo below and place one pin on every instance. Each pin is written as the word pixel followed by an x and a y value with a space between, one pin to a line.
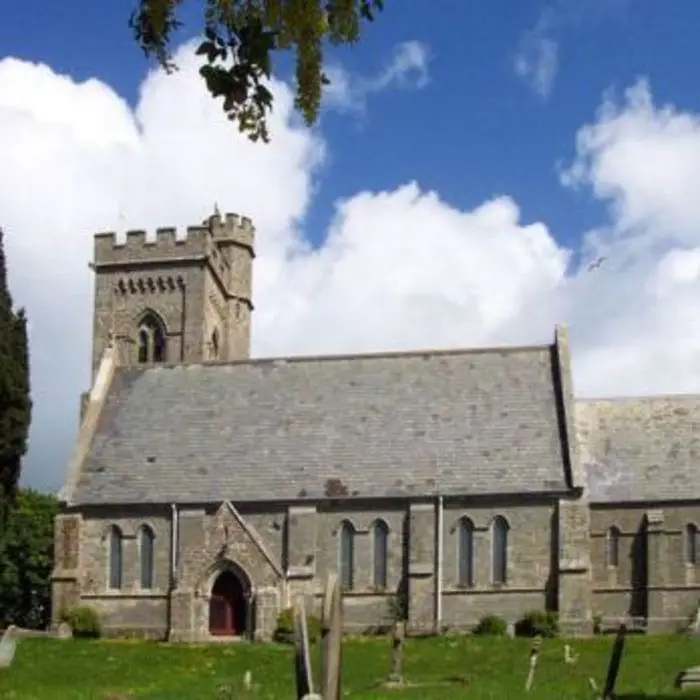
pixel 595 264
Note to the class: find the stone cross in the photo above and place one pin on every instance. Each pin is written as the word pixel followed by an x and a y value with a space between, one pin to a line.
pixel 396 672
pixel 614 665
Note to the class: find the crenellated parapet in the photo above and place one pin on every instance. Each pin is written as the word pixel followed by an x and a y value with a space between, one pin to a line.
pixel 137 248
pixel 199 241
pixel 233 228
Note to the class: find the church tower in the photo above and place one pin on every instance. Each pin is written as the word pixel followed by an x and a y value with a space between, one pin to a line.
pixel 175 300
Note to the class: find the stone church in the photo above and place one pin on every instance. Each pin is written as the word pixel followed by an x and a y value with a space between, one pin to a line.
pixel 208 490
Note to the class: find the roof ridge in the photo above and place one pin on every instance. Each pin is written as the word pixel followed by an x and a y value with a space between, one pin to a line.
pixel 343 357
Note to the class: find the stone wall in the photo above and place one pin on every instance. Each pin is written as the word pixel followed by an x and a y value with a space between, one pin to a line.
pixel 653 578
pixel 556 560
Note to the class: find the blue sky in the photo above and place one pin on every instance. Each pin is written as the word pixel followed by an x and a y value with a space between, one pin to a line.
pixel 476 131
pixel 455 198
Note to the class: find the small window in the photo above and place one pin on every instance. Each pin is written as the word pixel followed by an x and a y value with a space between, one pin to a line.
pixel 115 558
pixel 612 547
pixel 215 344
pixel 465 552
pixel 146 541
pixel 347 555
pixel 152 343
pixel 380 533
pixel 691 543
pixel 499 554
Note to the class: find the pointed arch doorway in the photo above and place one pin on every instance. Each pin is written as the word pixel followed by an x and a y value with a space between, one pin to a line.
pixel 229 604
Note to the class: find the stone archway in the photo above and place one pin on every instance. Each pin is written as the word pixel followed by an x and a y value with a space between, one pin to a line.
pixel 229 604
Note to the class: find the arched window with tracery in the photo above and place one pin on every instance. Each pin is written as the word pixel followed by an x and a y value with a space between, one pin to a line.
pixel 151 339
pixel 499 550
pixel 346 554
pixel 465 552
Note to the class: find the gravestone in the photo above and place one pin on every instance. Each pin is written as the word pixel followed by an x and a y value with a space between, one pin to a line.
pixel 8 645
pixel 64 631
pixel 614 665
pixel 397 642
pixel 694 625
pixel 302 659
pixel 534 656
pixel 331 639
pixel 690 678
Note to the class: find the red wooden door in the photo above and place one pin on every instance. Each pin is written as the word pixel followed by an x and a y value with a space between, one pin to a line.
pixel 221 620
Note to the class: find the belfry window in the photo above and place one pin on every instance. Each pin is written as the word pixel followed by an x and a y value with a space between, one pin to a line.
pixel 152 345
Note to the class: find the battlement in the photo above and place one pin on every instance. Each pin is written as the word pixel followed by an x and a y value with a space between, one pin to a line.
pixel 232 228
pixel 198 241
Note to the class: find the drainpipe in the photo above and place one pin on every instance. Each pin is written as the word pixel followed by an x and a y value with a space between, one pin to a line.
pixel 438 583
pixel 174 549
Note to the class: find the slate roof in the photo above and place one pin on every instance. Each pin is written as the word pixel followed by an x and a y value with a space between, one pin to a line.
pixel 642 449
pixel 469 422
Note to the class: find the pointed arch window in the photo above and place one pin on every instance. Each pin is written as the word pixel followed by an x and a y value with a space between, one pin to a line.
pixel 499 550
pixel 380 539
pixel 347 555
pixel 146 545
pixel 116 563
pixel 465 552
pixel 612 546
pixel 691 543
pixel 152 343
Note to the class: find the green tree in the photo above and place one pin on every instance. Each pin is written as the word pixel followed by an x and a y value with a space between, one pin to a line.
pixel 15 404
pixel 243 34
pixel 26 560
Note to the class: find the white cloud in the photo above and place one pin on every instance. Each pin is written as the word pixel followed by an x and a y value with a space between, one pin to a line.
pixel 407 69
pixel 537 62
pixel 399 269
pixel 537 58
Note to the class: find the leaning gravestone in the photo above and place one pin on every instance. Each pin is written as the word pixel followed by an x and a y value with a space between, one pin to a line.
pixel 614 665
pixel 534 657
pixel 331 631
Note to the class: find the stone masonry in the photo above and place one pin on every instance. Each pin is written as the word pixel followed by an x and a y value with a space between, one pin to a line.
pixel 249 473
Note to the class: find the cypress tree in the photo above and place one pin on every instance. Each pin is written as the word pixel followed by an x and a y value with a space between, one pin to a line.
pixel 15 403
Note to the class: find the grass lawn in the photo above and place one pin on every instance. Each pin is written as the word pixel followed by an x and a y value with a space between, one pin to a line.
pixel 448 667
